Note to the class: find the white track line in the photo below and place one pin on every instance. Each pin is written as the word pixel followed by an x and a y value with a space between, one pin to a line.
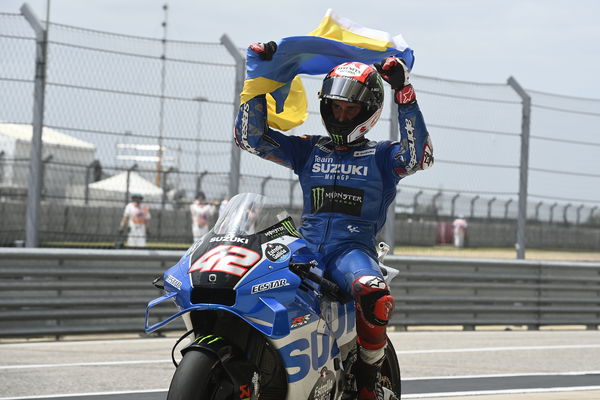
pixel 497 392
pixel 515 348
pixel 84 364
pixel 86 342
pixel 571 373
pixel 52 396
pixel 401 352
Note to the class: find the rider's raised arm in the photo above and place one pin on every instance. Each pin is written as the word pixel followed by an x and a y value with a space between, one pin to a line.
pixel 252 133
pixel 414 151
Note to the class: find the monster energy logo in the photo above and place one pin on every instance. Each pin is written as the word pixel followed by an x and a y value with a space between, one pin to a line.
pixel 337 139
pixel 284 227
pixel 208 339
pixel 289 226
pixel 338 199
pixel 318 195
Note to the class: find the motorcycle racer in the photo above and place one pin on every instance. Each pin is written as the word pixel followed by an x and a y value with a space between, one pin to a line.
pixel 348 182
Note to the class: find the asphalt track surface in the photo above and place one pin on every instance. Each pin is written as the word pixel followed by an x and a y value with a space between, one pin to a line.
pixel 480 365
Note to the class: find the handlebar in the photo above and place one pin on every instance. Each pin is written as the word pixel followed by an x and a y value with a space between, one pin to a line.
pixel 328 287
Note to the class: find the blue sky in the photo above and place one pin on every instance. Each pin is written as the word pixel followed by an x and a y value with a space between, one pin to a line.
pixel 550 45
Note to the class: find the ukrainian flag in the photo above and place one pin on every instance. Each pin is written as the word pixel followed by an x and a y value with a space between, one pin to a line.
pixel 335 41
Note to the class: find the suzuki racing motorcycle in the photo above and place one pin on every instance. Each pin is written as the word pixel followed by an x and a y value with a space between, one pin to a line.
pixel 263 321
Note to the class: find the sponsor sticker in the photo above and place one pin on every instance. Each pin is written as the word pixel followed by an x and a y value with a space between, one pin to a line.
pixel 229 238
pixel 299 321
pixel 353 229
pixel 277 252
pixel 410 132
pixel 324 148
pixel 363 153
pixel 427 155
pixel 263 287
pixel 337 139
pixel 285 227
pixel 342 169
pixel 352 69
pixel 341 199
pixel 176 283
pixel 323 389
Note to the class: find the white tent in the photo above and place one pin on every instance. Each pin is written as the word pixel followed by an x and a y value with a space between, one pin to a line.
pixel 118 184
pixel 66 159
pixel 50 137
pixel 112 191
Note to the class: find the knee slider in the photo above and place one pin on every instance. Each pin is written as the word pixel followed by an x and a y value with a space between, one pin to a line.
pixel 373 299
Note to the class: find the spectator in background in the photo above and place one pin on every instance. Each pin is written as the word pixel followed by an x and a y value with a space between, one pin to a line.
pixel 136 219
pixel 460 231
pixel 223 206
pixel 201 213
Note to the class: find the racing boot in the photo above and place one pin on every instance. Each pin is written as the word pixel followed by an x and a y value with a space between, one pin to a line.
pixel 366 379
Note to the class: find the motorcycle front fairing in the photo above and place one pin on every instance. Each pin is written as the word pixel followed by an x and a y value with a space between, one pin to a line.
pixel 263 303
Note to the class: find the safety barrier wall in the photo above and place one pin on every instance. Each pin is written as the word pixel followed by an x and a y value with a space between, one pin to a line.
pixel 57 292
pixel 71 226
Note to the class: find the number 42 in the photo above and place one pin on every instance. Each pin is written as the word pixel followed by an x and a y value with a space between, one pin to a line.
pixel 229 259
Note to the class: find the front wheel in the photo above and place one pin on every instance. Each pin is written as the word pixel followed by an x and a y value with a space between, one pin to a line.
pixel 390 370
pixel 199 376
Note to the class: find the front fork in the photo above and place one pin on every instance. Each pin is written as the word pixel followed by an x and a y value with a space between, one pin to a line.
pixel 187 320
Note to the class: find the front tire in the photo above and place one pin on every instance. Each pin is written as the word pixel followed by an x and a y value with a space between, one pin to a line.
pixel 390 370
pixel 199 376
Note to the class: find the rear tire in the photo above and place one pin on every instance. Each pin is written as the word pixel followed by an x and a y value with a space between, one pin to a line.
pixel 196 378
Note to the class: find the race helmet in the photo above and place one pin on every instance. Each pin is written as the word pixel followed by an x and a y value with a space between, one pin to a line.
pixel 137 196
pixel 356 83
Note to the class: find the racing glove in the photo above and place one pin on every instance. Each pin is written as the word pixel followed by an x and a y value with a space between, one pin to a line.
pixel 264 50
pixel 395 72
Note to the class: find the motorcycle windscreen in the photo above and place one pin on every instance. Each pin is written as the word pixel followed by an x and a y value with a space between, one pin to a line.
pixel 233 246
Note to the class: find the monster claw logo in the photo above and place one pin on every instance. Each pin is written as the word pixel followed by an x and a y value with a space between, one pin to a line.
pixel 208 339
pixel 285 227
pixel 318 197
pixel 337 139
pixel 289 226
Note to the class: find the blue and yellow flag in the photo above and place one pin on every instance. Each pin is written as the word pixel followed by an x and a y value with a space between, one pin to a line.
pixel 335 41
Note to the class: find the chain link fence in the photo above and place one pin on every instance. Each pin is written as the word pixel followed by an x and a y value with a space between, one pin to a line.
pixel 128 114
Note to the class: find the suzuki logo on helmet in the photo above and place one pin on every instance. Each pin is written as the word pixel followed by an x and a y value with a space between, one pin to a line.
pixel 363 128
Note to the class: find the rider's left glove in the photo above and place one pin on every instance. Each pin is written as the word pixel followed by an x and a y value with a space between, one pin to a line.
pixel 395 72
pixel 264 50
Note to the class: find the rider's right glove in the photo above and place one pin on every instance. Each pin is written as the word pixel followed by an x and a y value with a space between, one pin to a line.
pixel 264 50
pixel 395 72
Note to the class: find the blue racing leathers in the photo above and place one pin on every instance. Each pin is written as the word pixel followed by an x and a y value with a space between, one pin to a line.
pixel 346 193
pixel 346 190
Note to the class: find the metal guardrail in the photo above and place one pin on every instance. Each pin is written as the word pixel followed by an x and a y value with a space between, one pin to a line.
pixel 471 292
pixel 61 292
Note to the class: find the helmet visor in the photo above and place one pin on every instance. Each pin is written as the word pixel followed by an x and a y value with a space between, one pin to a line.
pixel 338 88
